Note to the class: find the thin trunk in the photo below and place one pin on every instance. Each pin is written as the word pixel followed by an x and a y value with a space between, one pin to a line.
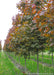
pixel 34 56
pixel 19 59
pixel 29 56
pixel 42 56
pixel 49 55
pixel 37 63
pixel 52 58
pixel 25 65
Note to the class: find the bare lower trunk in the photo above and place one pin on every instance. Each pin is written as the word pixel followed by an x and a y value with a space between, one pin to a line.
pixel 37 63
pixel 52 58
pixel 25 65
pixel 19 59
pixel 34 56
pixel 42 56
pixel 49 55
pixel 29 56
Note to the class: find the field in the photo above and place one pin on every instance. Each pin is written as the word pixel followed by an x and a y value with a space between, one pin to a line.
pixel 31 65
pixel 8 66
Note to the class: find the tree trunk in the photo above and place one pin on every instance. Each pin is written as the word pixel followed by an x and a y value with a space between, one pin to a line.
pixel 25 65
pixel 19 59
pixel 42 56
pixel 49 55
pixel 34 56
pixel 29 56
pixel 37 63
pixel 52 58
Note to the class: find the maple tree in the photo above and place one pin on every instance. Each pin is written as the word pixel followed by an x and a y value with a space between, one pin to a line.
pixel 32 28
pixel 31 32
pixel 8 46
pixel 46 24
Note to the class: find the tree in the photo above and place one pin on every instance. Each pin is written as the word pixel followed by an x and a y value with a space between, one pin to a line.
pixel 32 40
pixel 32 28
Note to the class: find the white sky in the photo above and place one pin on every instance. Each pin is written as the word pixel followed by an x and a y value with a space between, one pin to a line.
pixel 7 11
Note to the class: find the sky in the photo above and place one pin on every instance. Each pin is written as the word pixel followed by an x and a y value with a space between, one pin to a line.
pixel 8 9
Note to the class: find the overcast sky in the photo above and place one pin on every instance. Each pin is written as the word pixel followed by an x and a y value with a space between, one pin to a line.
pixel 7 11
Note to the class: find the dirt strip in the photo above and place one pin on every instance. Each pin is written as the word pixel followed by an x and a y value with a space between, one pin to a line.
pixel 44 64
pixel 46 58
pixel 18 65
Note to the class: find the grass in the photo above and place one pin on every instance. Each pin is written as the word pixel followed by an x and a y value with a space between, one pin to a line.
pixel 32 65
pixel 45 60
pixel 47 56
pixel 6 67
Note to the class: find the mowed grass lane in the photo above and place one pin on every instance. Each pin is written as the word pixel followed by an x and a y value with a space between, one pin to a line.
pixel 32 65
pixel 6 67
pixel 45 60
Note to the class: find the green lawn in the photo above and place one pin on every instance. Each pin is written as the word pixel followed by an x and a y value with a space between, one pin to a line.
pixel 6 67
pixel 46 56
pixel 32 65
pixel 45 60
